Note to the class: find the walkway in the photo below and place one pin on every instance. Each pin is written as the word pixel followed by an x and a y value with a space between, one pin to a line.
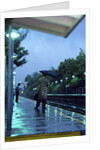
pixel 28 121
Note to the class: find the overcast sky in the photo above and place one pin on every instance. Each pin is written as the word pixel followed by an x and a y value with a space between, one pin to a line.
pixel 46 50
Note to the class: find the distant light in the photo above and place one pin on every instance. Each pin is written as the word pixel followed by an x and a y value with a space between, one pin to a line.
pixel 84 73
pixel 22 92
pixel 56 81
pixel 73 76
pixel 14 73
pixel 14 55
pixel 34 89
pixel 61 80
pixel 14 66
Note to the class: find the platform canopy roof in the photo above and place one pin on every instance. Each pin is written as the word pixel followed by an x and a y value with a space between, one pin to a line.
pixel 57 25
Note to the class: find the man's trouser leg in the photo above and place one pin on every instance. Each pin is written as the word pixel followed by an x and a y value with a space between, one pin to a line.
pixel 16 98
pixel 38 103
pixel 43 104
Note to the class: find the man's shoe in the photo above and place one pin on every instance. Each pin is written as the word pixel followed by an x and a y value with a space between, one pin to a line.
pixel 44 108
pixel 36 108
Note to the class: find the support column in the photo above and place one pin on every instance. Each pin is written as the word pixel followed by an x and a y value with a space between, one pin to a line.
pixel 10 81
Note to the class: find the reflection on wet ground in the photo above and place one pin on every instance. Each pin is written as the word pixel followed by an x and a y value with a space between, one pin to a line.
pixel 28 121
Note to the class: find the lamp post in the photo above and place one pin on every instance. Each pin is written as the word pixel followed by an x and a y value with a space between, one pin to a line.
pixel 11 36
pixel 14 82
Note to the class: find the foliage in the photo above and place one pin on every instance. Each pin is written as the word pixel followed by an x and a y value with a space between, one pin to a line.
pixel 73 68
pixel 66 70
pixel 19 51
pixel 31 81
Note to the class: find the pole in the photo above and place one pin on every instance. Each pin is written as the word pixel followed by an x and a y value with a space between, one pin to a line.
pixel 10 82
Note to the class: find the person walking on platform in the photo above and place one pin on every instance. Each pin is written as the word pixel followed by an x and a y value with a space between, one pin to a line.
pixel 42 89
pixel 17 92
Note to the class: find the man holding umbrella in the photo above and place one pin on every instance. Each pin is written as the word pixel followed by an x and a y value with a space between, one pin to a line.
pixel 43 84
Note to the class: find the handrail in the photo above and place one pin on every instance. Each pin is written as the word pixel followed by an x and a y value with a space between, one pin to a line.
pixel 66 94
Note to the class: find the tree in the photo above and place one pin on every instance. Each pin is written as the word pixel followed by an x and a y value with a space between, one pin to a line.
pixel 66 69
pixel 81 68
pixel 73 67
pixel 31 81
pixel 18 50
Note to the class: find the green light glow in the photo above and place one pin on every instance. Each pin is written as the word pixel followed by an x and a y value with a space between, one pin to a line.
pixel 14 35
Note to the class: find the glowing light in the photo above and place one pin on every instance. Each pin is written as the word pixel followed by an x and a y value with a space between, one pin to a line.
pixel 22 92
pixel 61 80
pixel 14 73
pixel 73 76
pixel 14 35
pixel 84 73
pixel 56 81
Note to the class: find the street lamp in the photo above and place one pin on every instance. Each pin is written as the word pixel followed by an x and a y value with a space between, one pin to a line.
pixel 61 80
pixel 56 81
pixel 73 76
pixel 12 35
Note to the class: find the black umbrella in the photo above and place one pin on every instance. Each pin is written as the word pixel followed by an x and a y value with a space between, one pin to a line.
pixel 50 73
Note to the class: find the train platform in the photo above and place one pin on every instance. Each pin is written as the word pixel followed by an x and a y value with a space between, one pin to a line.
pixel 28 123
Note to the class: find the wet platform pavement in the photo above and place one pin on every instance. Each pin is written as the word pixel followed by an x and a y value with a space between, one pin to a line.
pixel 28 121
